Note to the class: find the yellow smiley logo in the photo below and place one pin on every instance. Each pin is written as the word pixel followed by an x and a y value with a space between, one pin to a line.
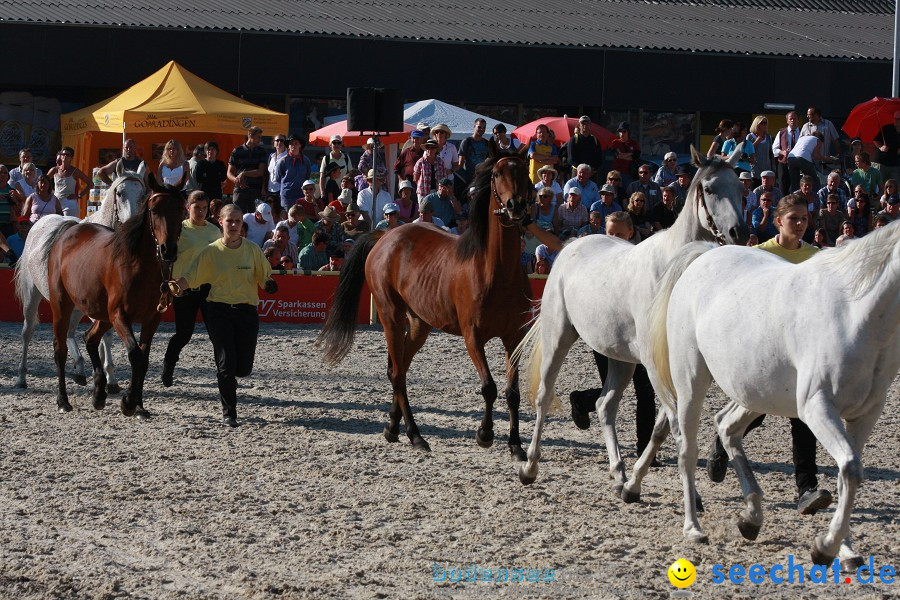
pixel 682 573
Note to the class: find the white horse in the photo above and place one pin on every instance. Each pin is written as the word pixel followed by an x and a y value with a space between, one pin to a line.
pixel 823 365
pixel 119 204
pixel 601 288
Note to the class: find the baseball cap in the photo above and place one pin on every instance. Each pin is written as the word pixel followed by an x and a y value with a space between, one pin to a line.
pixel 391 207
pixel 336 138
pixel 608 189
pixel 446 181
pixel 575 190
pixel 407 185
pixel 417 133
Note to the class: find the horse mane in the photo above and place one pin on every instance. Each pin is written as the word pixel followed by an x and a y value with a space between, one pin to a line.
pixel 473 240
pixel 106 214
pixel 127 236
pixel 863 261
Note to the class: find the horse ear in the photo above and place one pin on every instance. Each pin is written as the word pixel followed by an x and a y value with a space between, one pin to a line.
pixel 735 155
pixel 696 159
pixel 493 148
pixel 523 151
pixel 154 185
pixel 120 168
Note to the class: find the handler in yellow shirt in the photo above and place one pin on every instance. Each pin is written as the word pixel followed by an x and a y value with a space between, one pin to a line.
pixel 235 268
pixel 196 234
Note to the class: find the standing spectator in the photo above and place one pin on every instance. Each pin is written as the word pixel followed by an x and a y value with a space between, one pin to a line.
pixel 815 123
pixel 739 141
pixel 407 204
pixel 16 174
pixel 504 141
pixel 273 183
pixel 429 170
pixel 235 270
pixel 405 164
pixel 313 256
pixel 337 156
pixel 781 147
pixel 763 221
pixel 626 152
pixel 129 161
pixel 590 193
pixel 260 224
pixel 331 175
pixel 292 172
pixel 646 186
pixel 372 213
pixel 42 202
pixel 196 234
pixel 571 215
pixel 668 172
pixel 198 154
pixel 212 172
pixel 806 151
pixel 66 178
pixel 372 158
pixel 27 181
pixel 173 169
pixel 247 170
pixel 723 132
pixel 584 148
pixel 9 205
pixel 447 153
pixel 887 147
pixel 473 150
pixel 762 147
pixel 548 179
pixel 663 215
pixel 541 152
pixel 866 175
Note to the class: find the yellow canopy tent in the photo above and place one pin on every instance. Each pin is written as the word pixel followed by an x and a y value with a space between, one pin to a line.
pixel 171 103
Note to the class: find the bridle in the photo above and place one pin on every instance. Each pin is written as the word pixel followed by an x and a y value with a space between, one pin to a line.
pixel 501 209
pixel 717 234
pixel 165 266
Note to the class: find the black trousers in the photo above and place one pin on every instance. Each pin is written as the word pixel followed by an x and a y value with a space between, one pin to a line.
pixel 797 167
pixel 233 329
pixel 803 448
pixel 645 412
pixel 246 199
pixel 186 308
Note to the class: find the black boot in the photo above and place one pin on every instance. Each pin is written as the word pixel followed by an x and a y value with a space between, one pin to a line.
pixel 583 403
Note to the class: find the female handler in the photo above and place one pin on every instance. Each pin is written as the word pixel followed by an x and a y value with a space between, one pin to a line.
pixel 196 234
pixel 234 268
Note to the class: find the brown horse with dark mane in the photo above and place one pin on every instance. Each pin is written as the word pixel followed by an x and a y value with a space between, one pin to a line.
pixel 473 285
pixel 115 277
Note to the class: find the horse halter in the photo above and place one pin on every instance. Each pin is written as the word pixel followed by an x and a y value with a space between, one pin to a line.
pixel 501 208
pixel 717 234
pixel 165 266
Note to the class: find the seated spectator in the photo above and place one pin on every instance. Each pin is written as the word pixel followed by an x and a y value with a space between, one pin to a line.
pixel 541 152
pixel 833 186
pixel 820 238
pixel 752 240
pixel 588 189
pixel 329 224
pixel 812 202
pixel 527 258
pixel 314 256
pixel 847 234
pixel 890 189
pixel 763 221
pixel 594 226
pixel 663 216
pixel 680 187
pixel 571 215
pixel 892 211
pixel 618 224
pixel 607 203
pixel 444 202
pixel 668 172
pixel 281 242
pixel 335 262
pixel 299 226
pixel 881 221
pixel 646 186
pixel 831 217
pixel 866 175
pixel 768 185
pixel 364 199
pixel 640 216
pixel 309 203
pixel 543 259
pixel 407 206
pixel 548 180
pixel 260 224
pixel 462 223
pixel 355 224
pixel 342 202
pixel 542 212
pixel 391 217
pixel 16 241
pixel 859 211
pixel 426 214
pixel 614 179
pixel 749 200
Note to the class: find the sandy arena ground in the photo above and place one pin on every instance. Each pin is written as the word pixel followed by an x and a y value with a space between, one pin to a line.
pixel 307 499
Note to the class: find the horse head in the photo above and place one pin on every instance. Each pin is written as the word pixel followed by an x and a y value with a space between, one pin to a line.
pixel 165 207
pixel 126 191
pixel 511 188
pixel 719 195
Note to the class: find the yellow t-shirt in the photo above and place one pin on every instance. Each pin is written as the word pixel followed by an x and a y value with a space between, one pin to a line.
pixel 236 275
pixel 797 256
pixel 193 239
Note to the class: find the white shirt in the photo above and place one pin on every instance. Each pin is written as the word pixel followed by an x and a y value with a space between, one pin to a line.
pixel 274 182
pixel 434 221
pixel 826 128
pixel 256 232
pixel 776 142
pixel 450 155
pixel 805 147
pixel 364 200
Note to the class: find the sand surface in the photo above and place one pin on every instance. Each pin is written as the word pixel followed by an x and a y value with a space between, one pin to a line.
pixel 307 500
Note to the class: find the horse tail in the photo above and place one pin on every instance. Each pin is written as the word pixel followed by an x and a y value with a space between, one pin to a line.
pixel 659 309
pixel 535 360
pixel 336 337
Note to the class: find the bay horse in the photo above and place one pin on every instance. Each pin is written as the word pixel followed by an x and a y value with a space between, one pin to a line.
pixel 601 288
pixel 119 204
pixel 824 366
pixel 115 277
pixel 473 285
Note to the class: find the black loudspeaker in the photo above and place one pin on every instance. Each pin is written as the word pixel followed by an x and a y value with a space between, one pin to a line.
pixel 374 109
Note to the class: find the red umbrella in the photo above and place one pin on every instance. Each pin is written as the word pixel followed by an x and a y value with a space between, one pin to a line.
pixel 322 137
pixel 562 128
pixel 867 118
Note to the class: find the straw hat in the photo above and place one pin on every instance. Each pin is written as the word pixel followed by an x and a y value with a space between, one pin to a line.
pixel 330 214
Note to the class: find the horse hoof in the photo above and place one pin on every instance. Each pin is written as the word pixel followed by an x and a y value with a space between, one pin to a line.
pixel 65 408
pixel 696 537
pixel 850 565
pixel 99 403
pixel 819 557
pixel 525 478
pixel 127 410
pixel 142 414
pixel 79 379
pixel 21 385
pixel 517 454
pixel 390 435
pixel 699 505
pixel 749 530
pixel 630 497
pixel 420 444
pixel 617 489
pixel 113 388
pixel 484 437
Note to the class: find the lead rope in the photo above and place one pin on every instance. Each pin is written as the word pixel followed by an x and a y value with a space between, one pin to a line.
pixel 165 288
pixel 718 235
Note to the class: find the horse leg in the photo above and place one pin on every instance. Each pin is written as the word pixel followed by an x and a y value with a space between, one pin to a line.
pixel 78 375
pixel 618 377
pixel 139 369
pixel 513 399
pixel 92 339
pixel 120 323
pixel 412 343
pixel 398 342
pixel 30 309
pixel 62 313
pixel 732 422
pixel 109 367
pixel 484 435
pixel 631 491
pixel 691 385
pixel 550 350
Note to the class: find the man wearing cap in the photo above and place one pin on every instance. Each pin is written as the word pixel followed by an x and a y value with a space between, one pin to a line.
pixel 768 185
pixel 364 199
pixel 548 180
pixel 626 151
pixel 590 193
pixel 573 214
pixel 405 164
pixel 680 185
pixel 429 170
pixel 391 217
pixel 891 211
pixel 584 148
pixel 887 147
pixel 260 224
pixel 473 150
pixel 426 214
pixel 292 171
pixel 444 202
pixel 273 184
pixel 750 199
pixel 668 172
pixel 646 186
pixel 607 203
pixel 247 170
pixel 781 147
